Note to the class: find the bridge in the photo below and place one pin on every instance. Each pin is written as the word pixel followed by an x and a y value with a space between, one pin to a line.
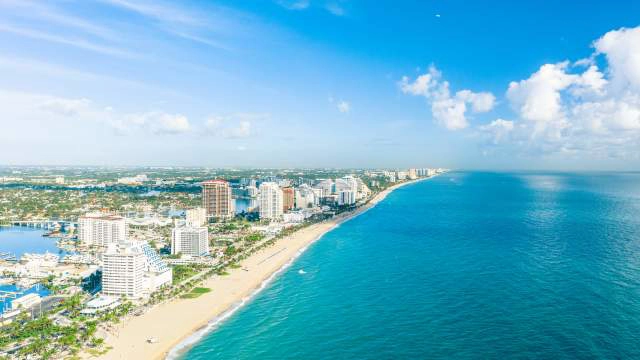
pixel 45 224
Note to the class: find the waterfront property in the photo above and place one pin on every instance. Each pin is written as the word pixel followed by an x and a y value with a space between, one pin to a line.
pixel 217 199
pixel 133 269
pixel 190 241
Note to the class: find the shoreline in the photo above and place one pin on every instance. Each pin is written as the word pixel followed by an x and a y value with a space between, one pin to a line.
pixel 181 323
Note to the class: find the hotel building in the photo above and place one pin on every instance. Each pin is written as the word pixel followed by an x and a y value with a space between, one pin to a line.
pixel 133 270
pixel 101 230
pixel 217 200
pixel 190 241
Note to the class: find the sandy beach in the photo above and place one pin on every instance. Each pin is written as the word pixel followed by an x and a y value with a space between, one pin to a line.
pixel 173 322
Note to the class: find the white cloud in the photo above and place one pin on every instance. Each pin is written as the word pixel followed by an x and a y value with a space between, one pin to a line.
pixel 159 11
pixel 499 130
pixel 70 41
pixel 622 50
pixel 42 12
pixel 160 122
pixel 294 4
pixel 577 111
pixel 480 102
pixel 50 109
pixel 448 111
pixel 335 8
pixel 65 107
pixel 538 97
pixel 234 126
pixel 344 106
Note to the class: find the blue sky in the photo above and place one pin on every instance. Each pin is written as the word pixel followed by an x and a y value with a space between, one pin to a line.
pixel 283 83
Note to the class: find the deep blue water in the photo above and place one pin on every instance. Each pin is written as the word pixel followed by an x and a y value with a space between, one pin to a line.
pixel 465 266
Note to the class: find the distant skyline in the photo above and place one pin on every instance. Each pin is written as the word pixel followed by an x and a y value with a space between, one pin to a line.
pixel 332 83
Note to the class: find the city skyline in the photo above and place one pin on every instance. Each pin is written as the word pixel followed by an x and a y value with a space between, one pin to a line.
pixel 320 84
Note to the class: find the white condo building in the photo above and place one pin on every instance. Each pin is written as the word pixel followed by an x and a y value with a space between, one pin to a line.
pixel 133 269
pixel 347 183
pixel 101 230
pixel 271 199
pixel 190 241
pixel 346 197
pixel 196 217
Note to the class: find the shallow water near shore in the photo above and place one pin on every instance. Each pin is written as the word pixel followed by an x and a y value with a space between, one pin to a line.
pixel 466 265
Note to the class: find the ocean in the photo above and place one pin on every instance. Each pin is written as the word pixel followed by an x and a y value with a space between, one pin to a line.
pixel 467 265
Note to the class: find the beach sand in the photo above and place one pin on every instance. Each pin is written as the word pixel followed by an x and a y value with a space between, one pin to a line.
pixel 174 321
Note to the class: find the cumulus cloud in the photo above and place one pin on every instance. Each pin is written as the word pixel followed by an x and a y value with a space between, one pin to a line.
pixel 565 108
pixel 54 108
pixel 538 97
pixel 622 51
pixel 160 122
pixel 234 126
pixel 448 110
pixel 498 130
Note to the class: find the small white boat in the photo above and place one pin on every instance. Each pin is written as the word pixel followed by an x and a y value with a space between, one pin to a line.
pixel 301 272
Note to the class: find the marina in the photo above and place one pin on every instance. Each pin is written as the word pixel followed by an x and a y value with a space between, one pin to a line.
pixel 15 241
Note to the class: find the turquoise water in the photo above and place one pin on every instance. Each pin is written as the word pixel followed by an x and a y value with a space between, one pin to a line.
pixel 465 266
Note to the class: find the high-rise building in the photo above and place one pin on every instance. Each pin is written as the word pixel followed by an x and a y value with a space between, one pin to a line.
pixel 412 174
pixel 270 201
pixel 327 186
pixel 288 198
pixel 123 270
pixel 307 197
pixel 346 197
pixel 132 269
pixel 98 229
pixel 217 200
pixel 196 217
pixel 349 183
pixel 190 241
pixel 252 191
